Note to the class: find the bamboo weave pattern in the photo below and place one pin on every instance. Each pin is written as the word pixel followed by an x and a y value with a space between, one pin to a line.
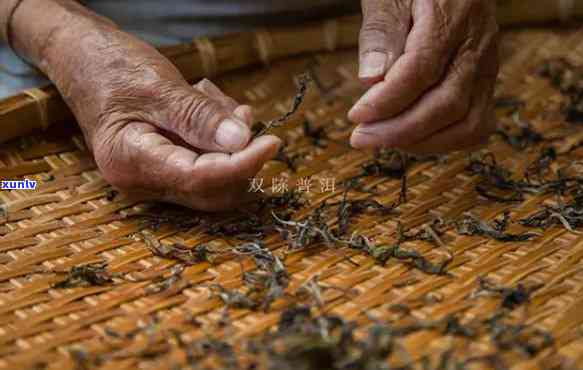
pixel 149 312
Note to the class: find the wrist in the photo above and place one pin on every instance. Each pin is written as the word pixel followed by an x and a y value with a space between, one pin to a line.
pixel 36 37
pixel 7 10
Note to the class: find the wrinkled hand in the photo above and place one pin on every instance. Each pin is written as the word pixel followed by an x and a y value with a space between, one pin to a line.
pixel 153 134
pixel 432 66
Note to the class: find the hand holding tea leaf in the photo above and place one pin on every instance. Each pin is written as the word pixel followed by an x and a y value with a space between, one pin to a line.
pixel 150 131
pixel 432 66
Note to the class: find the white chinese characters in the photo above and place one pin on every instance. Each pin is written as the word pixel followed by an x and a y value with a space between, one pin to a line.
pixel 280 185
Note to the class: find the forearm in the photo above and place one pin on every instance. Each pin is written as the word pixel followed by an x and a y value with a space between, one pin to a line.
pixel 33 26
pixel 85 55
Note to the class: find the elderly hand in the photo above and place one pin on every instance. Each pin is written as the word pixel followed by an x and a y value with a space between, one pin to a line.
pixel 432 66
pixel 151 132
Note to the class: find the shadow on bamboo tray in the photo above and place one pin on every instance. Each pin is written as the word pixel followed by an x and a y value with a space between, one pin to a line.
pixel 351 260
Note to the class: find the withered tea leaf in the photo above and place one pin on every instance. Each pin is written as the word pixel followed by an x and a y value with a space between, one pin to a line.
pixel 387 163
pixel 525 338
pixel 178 217
pixel 177 251
pixel 521 136
pixel 302 234
pixel 200 350
pixel 511 297
pixel 569 215
pixel 303 81
pixel 247 227
pixel 567 79
pixel 110 194
pixel 167 283
pixel 472 226
pixel 347 209
pixel 271 278
pixel 288 159
pixel 315 134
pixel 95 274
pixel 383 253
pixel 541 164
pixel 431 232
pixel 291 199
pixel 494 177
pixel 497 178
pixel 234 299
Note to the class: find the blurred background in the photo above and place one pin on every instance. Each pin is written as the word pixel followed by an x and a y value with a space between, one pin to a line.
pixel 174 21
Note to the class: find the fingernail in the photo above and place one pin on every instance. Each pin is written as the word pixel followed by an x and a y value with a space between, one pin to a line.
pixel 361 140
pixel 372 64
pixel 360 112
pixel 232 135
pixel 355 110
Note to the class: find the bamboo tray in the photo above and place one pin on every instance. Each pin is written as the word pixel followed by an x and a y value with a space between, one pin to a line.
pixel 149 312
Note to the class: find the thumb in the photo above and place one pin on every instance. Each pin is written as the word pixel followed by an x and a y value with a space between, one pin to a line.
pixel 386 24
pixel 204 121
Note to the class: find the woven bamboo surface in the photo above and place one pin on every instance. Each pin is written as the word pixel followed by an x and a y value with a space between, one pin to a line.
pixel 156 312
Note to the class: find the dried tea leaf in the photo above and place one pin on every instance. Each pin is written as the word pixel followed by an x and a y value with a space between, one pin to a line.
pixel 178 217
pixel 347 209
pixel 302 234
pixel 316 134
pixel 569 215
pixel 288 159
pixel 94 274
pixel 303 81
pixel 383 253
pixel 527 339
pixel 167 283
pixel 110 194
pixel 521 136
pixel 177 251
pixel 271 278
pixel 473 226
pixel 234 299
pixel 511 297
pixel 541 164
pixel 568 79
